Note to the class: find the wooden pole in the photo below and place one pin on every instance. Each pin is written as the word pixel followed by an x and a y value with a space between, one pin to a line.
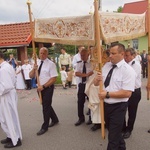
pixel 99 55
pixel 33 46
pixel 148 25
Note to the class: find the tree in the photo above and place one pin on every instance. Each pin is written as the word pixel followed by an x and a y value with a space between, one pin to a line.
pixel 70 49
pixel 119 9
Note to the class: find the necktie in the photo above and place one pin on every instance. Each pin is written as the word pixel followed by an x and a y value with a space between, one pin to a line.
pixel 84 71
pixel 133 62
pixel 39 70
pixel 107 80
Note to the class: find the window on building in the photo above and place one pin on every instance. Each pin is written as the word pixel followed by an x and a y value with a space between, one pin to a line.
pixel 135 43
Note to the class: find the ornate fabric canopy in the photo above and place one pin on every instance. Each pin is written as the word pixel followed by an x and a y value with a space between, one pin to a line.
pixel 80 30
pixel 121 26
pixel 67 30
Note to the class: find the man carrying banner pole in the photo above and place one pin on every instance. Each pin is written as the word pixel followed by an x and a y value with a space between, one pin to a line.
pixel 33 46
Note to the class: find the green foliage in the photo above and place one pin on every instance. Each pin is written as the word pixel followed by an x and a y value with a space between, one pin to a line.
pixel 30 51
pixel 70 49
pixel 7 53
pixel 119 9
pixel 58 81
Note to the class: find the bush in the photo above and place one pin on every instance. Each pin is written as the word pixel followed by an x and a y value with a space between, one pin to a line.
pixel 58 81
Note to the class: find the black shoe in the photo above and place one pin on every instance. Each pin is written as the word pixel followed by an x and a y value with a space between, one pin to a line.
pixel 79 122
pixel 89 122
pixel 7 140
pixel 126 135
pixel 53 123
pixel 42 131
pixel 148 131
pixel 96 127
pixel 10 144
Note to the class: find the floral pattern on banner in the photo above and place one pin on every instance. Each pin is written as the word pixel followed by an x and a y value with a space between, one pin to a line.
pixel 121 26
pixel 80 30
pixel 66 30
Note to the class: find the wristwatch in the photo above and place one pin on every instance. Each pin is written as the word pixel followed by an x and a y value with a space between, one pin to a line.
pixel 107 95
pixel 44 87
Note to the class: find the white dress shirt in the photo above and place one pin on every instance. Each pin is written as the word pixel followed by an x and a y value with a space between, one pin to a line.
pixel 79 68
pixel 76 59
pixel 48 71
pixel 64 59
pixel 123 78
pixel 137 68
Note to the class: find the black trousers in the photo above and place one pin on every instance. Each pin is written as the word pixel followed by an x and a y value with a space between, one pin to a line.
pixel 28 83
pixel 81 100
pixel 144 69
pixel 114 119
pixel 48 111
pixel 132 110
pixel 69 83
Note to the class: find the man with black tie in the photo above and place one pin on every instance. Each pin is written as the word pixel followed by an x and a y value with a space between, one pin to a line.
pixel 83 71
pixel 136 95
pixel 119 83
pixel 144 64
pixel 47 76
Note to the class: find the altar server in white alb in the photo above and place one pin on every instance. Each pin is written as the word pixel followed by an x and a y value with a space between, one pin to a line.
pixel 9 118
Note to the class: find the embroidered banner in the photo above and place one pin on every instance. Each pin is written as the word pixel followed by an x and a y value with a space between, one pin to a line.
pixel 65 30
pixel 121 26
pixel 80 30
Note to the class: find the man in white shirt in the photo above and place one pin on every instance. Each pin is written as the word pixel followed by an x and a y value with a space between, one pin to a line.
pixel 136 95
pixel 64 59
pixel 83 71
pixel 47 77
pixel 119 81
pixel 76 59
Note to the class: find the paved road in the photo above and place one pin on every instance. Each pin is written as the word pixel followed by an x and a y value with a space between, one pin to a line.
pixel 65 136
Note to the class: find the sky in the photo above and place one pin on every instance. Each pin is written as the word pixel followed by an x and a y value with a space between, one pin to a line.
pixel 14 11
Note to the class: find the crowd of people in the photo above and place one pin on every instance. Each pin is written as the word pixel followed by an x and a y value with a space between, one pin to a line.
pixel 121 76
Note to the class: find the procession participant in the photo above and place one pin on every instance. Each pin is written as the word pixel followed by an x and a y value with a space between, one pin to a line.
pixel 119 83
pixel 70 76
pixel 83 71
pixel 20 84
pixel 138 57
pixel 63 75
pixel 76 59
pixel 26 67
pixel 32 61
pixel 64 59
pixel 9 118
pixel 12 61
pixel 144 63
pixel 91 91
pixel 47 76
pixel 136 95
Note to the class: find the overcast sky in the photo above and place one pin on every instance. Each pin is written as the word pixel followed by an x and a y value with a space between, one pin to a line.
pixel 13 11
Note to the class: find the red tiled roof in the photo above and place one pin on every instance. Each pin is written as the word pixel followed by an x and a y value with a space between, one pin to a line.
pixel 13 35
pixel 135 7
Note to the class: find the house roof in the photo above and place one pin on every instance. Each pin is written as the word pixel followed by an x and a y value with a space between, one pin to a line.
pixel 135 7
pixel 15 35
